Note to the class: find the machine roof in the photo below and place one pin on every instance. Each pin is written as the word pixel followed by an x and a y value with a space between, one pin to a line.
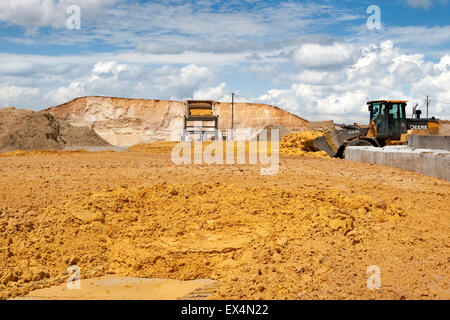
pixel 393 101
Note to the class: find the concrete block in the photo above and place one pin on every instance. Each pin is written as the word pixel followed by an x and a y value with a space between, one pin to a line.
pixel 429 162
pixel 429 142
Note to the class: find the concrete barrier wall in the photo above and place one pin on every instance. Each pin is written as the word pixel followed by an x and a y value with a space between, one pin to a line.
pixel 429 142
pixel 433 163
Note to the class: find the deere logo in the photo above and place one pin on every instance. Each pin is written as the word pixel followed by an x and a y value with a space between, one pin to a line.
pixel 419 127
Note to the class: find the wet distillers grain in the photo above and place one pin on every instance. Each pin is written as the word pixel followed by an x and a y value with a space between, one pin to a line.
pixel 309 232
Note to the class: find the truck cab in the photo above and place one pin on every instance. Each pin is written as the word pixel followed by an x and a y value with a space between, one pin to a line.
pixel 388 117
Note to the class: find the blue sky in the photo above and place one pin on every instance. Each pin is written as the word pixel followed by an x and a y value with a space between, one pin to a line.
pixel 316 59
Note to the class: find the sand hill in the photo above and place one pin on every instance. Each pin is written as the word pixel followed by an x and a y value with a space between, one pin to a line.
pixel 125 122
pixel 22 129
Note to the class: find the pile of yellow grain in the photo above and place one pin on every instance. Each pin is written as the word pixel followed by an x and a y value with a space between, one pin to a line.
pixel 191 231
pixel 200 112
pixel 19 153
pixel 300 144
pixel 158 147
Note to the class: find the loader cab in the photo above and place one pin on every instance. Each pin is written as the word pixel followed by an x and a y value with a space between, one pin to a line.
pixel 389 119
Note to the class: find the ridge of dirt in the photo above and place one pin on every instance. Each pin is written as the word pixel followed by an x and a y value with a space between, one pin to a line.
pixel 126 122
pixel 143 232
pixel 22 129
pixel 27 130
pixel 309 232
pixel 80 136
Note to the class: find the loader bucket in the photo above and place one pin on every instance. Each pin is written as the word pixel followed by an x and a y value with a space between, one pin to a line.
pixel 334 140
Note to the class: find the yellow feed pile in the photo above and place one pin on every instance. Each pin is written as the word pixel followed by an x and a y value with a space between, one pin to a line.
pixel 191 231
pixel 200 112
pixel 300 144
pixel 166 147
pixel 159 147
pixel 19 153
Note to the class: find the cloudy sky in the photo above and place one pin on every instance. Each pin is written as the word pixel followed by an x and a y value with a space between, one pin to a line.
pixel 317 59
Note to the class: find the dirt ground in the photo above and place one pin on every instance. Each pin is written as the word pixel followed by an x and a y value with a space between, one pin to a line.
pixel 309 232
pixel 121 288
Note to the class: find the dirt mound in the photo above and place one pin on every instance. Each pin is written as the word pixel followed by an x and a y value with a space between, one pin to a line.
pixel 22 129
pixel 126 122
pixel 323 126
pixel 80 136
pixel 267 134
pixel 310 241
pixel 232 232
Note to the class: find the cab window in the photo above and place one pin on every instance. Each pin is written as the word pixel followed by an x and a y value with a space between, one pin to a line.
pixel 394 112
pixel 376 110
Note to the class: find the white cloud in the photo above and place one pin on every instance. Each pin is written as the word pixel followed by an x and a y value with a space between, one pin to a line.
pixel 444 64
pixel 33 14
pixel 381 71
pixel 170 27
pixel 128 57
pixel 117 70
pixel 110 78
pixel 181 83
pixel 425 4
pixel 218 93
pixel 107 67
pixel 318 56
pixel 263 70
pixel 431 40
pixel 420 3
pixel 16 67
pixel 13 95
pixel 64 94
pixel 437 86
pixel 323 86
